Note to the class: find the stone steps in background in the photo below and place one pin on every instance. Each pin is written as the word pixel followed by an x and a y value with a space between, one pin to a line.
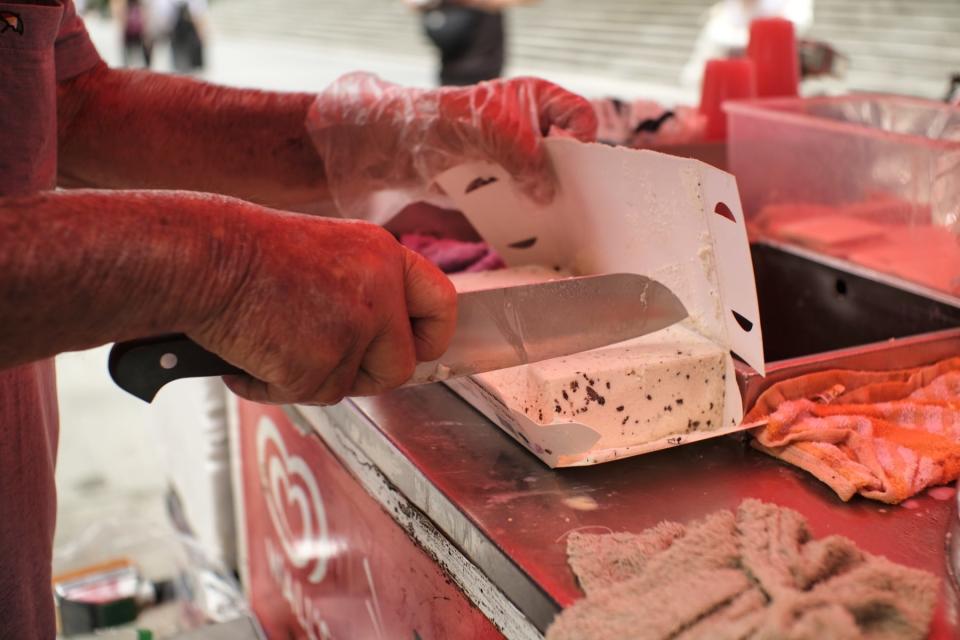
pixel 904 46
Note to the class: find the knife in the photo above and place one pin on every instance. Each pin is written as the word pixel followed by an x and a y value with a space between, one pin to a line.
pixel 496 329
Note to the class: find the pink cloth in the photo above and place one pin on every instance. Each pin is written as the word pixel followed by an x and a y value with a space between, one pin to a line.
pixel 40 44
pixel 453 256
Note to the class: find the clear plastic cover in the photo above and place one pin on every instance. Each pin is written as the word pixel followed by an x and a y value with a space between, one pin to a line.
pixel 383 144
pixel 872 179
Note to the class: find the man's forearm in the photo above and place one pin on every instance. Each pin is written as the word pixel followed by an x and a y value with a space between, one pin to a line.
pixel 83 268
pixel 136 129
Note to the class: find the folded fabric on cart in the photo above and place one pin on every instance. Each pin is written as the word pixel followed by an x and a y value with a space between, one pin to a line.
pixel 886 435
pixel 757 573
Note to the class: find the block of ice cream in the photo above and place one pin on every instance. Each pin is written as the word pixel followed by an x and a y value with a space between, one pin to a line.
pixel 662 384
pixel 666 384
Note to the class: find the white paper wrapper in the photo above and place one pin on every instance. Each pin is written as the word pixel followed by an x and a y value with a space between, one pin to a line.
pixel 621 210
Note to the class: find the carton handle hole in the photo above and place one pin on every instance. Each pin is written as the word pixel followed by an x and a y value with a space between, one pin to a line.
pixel 523 244
pixel 745 324
pixel 841 287
pixel 478 182
pixel 724 211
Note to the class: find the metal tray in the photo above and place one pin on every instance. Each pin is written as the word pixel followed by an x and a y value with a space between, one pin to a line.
pixel 509 514
pixel 811 303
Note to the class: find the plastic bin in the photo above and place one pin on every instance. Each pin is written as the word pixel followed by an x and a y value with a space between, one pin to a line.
pixel 873 179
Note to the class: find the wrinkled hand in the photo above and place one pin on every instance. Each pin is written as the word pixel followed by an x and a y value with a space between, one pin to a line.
pixel 327 309
pixel 375 136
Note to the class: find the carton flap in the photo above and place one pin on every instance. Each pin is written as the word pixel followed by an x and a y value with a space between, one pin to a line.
pixel 735 277
pixel 624 210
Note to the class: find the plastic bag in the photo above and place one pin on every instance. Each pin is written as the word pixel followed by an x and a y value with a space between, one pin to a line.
pixel 173 568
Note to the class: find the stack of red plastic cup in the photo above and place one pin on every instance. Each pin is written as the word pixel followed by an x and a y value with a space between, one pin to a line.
pixel 773 50
pixel 724 80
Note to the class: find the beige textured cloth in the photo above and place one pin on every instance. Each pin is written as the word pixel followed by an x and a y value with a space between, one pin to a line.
pixel 757 574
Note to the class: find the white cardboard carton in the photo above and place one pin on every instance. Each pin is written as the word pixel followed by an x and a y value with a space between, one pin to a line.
pixel 676 220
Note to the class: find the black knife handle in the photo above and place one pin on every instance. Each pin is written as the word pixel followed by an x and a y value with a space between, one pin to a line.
pixel 142 367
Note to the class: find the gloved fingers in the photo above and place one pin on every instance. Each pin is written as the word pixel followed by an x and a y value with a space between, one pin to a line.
pixel 377 137
pixel 432 306
pixel 568 111
pixel 495 122
pixel 506 121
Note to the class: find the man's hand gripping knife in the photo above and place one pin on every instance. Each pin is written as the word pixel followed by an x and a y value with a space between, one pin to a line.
pixel 314 309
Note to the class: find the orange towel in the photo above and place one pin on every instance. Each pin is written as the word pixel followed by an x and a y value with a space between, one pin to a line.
pixel 885 435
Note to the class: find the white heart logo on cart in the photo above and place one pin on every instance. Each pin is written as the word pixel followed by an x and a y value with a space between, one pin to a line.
pixel 292 492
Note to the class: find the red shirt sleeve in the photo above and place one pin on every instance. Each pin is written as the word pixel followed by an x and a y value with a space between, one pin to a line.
pixel 75 52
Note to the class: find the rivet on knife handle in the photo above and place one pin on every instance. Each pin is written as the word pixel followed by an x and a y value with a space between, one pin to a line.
pixel 142 367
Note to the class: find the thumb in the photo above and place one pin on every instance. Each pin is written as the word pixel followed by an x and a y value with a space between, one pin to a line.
pixel 431 304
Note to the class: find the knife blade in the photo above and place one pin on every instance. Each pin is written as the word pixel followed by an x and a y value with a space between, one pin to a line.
pixel 496 329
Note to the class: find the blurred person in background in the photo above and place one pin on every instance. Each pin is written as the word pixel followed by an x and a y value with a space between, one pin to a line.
pixel 727 30
pixel 169 220
pixel 130 17
pixel 953 90
pixel 469 36
pixel 187 32
pixel 144 24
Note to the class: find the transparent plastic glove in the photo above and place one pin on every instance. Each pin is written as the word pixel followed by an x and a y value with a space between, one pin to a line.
pixel 378 137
